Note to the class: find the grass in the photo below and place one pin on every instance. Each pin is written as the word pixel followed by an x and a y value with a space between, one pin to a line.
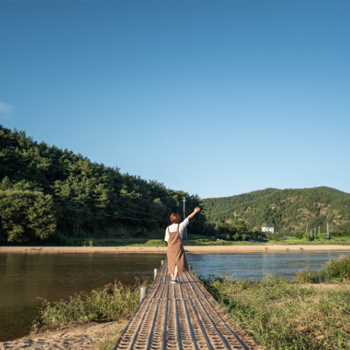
pixel 288 315
pixel 336 270
pixel 194 241
pixel 144 243
pixel 110 340
pixel 109 343
pixel 283 315
pixel 161 243
pixel 313 241
pixel 191 240
pixel 200 240
pixel 113 302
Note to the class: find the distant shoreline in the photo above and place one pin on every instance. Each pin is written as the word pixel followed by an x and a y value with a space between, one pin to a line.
pixel 261 248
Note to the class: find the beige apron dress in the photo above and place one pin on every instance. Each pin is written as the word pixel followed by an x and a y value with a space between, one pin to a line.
pixel 176 253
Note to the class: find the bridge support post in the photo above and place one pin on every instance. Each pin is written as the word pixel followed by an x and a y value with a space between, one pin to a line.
pixel 143 292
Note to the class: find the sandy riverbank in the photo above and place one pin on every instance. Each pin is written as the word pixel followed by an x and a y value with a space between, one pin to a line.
pixel 78 337
pixel 259 248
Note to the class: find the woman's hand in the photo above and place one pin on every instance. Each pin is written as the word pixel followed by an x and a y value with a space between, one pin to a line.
pixel 195 211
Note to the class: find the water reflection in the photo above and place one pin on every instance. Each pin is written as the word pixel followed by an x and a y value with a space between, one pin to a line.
pixel 24 277
pixel 254 266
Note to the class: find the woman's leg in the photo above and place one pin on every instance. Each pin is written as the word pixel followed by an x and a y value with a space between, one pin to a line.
pixel 175 274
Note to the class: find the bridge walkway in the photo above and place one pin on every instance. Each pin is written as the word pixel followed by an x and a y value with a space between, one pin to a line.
pixel 181 316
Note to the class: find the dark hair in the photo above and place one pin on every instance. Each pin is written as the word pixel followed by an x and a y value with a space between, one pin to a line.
pixel 175 218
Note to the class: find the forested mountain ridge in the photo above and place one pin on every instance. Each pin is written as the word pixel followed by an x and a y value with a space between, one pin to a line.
pixel 287 210
pixel 52 195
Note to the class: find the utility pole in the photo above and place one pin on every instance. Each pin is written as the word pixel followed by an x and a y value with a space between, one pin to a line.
pixel 185 231
pixel 306 229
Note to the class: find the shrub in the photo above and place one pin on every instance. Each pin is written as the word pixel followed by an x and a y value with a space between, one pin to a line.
pixel 63 240
pixel 155 243
pixel 337 234
pixel 299 234
pixel 308 238
pixel 236 237
pixel 123 231
pixel 272 280
pixel 245 237
pixel 111 303
pixel 308 276
pixel 228 237
pixel 156 233
pixel 221 236
pixel 91 242
pixel 274 236
pixel 197 236
pixel 87 242
pixel 338 269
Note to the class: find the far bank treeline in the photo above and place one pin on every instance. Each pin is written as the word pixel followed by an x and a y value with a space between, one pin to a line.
pixel 50 195
pixel 288 211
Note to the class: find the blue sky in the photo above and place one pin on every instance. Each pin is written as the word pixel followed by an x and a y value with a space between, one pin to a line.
pixel 215 98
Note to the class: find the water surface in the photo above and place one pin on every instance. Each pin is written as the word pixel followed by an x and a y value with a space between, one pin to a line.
pixel 254 265
pixel 24 277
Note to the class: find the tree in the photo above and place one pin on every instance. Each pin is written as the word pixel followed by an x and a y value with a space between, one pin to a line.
pixel 26 216
pixel 83 198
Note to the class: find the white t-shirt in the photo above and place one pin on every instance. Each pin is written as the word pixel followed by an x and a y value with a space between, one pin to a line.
pixel 173 228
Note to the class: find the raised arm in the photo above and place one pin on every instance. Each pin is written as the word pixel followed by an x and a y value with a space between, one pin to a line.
pixel 195 211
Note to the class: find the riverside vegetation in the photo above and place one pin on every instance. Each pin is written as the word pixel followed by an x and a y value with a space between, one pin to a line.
pixel 201 240
pixel 280 314
pixel 288 315
pixel 113 302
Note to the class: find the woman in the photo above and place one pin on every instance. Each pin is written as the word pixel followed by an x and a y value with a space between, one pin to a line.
pixel 176 254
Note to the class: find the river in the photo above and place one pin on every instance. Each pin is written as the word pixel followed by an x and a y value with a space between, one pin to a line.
pixel 24 277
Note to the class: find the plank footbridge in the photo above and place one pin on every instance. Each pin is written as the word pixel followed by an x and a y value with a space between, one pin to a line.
pixel 181 316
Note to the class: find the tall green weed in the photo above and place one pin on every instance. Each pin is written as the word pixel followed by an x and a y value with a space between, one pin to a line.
pixel 113 302
pixel 336 270
pixel 286 315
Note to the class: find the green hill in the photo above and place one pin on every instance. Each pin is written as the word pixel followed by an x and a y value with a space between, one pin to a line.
pixel 55 196
pixel 287 210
